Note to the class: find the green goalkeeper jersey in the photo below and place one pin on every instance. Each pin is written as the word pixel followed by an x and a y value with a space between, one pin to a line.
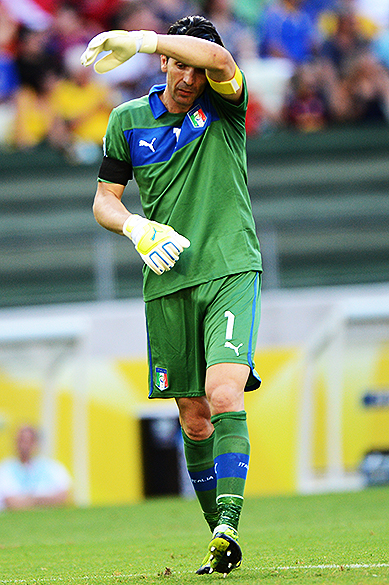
pixel 191 171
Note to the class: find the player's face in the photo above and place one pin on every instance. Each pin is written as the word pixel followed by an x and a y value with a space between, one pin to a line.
pixel 184 85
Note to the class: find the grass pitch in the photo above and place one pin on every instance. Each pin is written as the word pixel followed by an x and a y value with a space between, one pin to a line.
pixel 324 539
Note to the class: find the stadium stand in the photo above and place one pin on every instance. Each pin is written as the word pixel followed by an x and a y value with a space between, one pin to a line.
pixel 321 200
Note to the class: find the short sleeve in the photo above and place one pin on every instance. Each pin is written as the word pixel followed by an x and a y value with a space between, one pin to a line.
pixel 115 143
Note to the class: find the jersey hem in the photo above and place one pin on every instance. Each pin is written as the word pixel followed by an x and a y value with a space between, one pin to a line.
pixel 197 282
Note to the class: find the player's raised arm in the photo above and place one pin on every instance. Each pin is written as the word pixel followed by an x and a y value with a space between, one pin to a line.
pixel 221 70
pixel 199 53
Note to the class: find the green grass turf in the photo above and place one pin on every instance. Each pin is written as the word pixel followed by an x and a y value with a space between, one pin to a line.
pixel 301 539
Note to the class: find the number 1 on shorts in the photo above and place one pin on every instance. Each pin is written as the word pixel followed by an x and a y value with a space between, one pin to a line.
pixel 230 324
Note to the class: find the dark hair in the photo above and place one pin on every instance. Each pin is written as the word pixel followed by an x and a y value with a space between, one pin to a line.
pixel 196 26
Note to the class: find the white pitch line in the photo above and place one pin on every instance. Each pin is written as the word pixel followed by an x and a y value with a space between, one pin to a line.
pixel 340 567
pixel 142 575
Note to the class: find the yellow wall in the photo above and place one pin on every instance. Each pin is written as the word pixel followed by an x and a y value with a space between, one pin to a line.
pixel 117 389
pixel 367 368
pixel 272 420
pixel 64 435
pixel 19 404
pixel 114 448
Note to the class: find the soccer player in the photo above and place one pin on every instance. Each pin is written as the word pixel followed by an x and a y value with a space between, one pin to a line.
pixel 185 145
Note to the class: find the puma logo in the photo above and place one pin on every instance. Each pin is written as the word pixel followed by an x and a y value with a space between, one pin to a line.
pixel 149 144
pixel 231 346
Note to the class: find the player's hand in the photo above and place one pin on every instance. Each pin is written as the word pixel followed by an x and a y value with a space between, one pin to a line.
pixel 122 45
pixel 158 245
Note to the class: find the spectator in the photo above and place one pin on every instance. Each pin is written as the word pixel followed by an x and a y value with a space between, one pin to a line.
pixel 168 11
pixel 355 25
pixel 306 108
pixel 29 480
pixel 236 36
pixel 33 117
pixel 249 11
pixel 8 41
pixel 358 83
pixel 239 39
pixel 9 79
pixel 256 117
pixel 377 15
pixel 68 29
pixel 80 104
pixel 380 47
pixel 29 13
pixel 366 90
pixel 98 13
pixel 137 13
pixel 346 41
pixel 134 78
pixel 34 61
pixel 287 31
pixel 38 72
pixel 315 8
pixel 374 12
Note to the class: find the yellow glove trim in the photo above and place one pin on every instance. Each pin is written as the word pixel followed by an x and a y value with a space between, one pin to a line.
pixel 148 234
pixel 155 233
pixel 227 87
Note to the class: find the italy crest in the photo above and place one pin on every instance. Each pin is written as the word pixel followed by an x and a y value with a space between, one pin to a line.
pixel 161 380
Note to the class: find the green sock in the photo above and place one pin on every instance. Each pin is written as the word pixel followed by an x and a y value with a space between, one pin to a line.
pixel 201 468
pixel 231 456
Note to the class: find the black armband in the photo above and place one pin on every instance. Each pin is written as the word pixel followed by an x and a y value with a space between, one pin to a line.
pixel 115 171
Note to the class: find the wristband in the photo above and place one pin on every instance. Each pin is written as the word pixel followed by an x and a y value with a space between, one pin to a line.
pixel 134 226
pixel 149 41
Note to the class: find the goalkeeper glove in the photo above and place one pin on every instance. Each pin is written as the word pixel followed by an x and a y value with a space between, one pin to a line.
pixel 158 245
pixel 122 44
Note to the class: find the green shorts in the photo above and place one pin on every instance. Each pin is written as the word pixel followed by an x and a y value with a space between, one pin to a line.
pixel 197 327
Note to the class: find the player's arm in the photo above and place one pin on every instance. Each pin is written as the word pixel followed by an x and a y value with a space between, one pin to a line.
pixel 222 72
pixel 158 244
pixel 108 208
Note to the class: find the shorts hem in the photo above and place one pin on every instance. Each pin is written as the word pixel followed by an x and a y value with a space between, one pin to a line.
pixel 166 396
pixel 253 382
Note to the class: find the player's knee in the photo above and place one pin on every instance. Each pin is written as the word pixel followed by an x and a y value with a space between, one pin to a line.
pixel 195 417
pixel 224 398
pixel 197 429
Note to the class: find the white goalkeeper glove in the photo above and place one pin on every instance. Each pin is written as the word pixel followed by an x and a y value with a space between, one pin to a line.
pixel 158 245
pixel 122 44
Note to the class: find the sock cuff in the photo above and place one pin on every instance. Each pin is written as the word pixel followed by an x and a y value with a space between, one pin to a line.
pixel 240 415
pixel 191 442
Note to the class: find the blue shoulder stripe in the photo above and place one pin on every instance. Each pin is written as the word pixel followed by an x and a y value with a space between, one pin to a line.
pixel 154 145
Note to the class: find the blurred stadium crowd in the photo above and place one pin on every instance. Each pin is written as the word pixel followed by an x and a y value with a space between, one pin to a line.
pixel 310 64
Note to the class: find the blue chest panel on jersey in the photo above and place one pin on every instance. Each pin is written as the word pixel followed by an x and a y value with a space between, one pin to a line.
pixel 158 144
